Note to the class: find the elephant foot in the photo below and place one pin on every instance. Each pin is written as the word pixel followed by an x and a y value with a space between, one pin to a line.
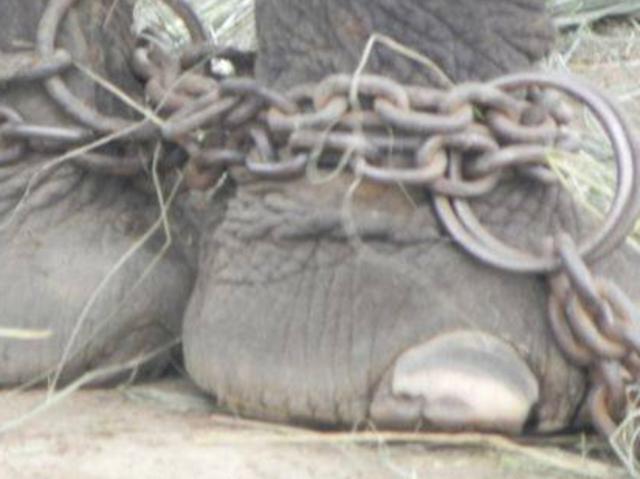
pixel 458 380
pixel 78 272
pixel 293 320
pixel 78 265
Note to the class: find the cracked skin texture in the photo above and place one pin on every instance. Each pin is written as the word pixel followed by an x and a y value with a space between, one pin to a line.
pixel 303 41
pixel 293 318
pixel 76 225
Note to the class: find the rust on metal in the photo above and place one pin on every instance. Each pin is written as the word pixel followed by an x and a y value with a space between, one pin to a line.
pixel 29 66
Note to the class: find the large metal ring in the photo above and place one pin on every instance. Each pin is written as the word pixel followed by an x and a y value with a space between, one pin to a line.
pixel 463 225
pixel 48 28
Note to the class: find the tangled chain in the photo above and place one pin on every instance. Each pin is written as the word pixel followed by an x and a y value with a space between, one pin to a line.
pixel 458 144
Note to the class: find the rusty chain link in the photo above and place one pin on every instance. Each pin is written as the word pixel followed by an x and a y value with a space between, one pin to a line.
pixel 30 66
pixel 458 144
pixel 598 327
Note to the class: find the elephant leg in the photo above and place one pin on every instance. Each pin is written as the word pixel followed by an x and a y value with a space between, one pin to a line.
pixel 303 41
pixel 294 318
pixel 76 265
pixel 318 307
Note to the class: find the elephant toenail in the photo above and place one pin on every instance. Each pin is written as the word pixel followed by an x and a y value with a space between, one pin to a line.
pixel 461 380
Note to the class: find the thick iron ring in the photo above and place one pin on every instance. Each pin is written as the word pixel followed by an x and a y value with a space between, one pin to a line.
pixel 48 28
pixel 464 227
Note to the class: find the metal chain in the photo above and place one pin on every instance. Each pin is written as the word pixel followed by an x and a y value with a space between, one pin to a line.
pixel 30 66
pixel 458 144
pixel 597 327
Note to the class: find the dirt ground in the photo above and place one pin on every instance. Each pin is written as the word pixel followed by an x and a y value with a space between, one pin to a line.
pixel 169 430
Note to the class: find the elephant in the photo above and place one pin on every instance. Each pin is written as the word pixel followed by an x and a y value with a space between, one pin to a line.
pixel 329 305
pixel 59 242
pixel 340 303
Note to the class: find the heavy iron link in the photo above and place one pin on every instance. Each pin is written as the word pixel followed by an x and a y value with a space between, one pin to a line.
pixel 458 144
pixel 60 93
pixel 29 66
pixel 466 229
pixel 323 118
pixel 48 65
pixel 598 327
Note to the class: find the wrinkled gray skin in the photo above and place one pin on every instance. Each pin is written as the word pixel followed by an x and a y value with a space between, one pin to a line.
pixel 75 226
pixel 469 40
pixel 291 318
